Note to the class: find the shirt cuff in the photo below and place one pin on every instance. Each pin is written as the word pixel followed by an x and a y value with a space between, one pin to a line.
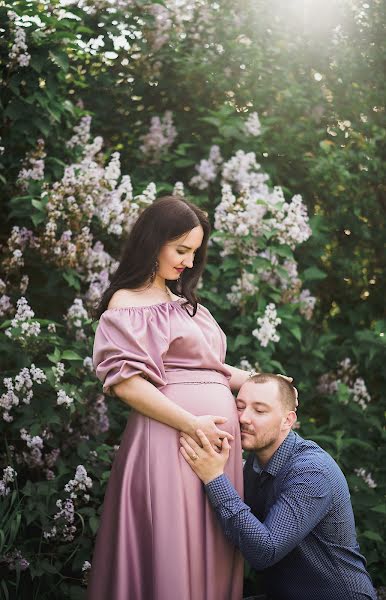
pixel 220 490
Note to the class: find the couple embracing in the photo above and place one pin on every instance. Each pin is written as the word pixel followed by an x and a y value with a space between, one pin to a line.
pixel 176 522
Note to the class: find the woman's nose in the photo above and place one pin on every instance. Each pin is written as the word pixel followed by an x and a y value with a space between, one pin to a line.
pixel 188 262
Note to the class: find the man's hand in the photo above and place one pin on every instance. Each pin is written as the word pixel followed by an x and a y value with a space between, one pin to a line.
pixel 205 462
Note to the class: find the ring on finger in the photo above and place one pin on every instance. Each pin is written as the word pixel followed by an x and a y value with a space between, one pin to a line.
pixel 194 457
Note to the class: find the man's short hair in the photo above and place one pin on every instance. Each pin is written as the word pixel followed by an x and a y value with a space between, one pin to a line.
pixel 287 392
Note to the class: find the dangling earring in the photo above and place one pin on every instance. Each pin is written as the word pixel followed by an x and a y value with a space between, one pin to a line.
pixel 154 271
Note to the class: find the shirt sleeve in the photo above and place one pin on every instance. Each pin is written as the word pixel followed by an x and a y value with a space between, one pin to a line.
pixel 128 342
pixel 305 499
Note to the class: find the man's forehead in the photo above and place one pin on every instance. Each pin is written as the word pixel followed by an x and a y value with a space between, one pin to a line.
pixel 259 393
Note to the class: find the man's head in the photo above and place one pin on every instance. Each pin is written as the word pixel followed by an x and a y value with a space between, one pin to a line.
pixel 266 404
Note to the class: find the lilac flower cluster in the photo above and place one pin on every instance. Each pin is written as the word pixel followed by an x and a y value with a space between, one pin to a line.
pixel 18 55
pixel 34 169
pixel 252 125
pixel 178 189
pixel 245 286
pixel 15 560
pixel 97 420
pixel 266 332
pixel 22 325
pixel 64 528
pixel 160 137
pixel 82 133
pixel 79 485
pixel 367 477
pixel 244 172
pixel 346 373
pixel 63 398
pixel 75 318
pixel 20 389
pixel 9 475
pixel 20 239
pixel 207 169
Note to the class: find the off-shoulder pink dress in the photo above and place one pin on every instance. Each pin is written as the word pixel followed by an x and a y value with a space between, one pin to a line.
pixel 159 538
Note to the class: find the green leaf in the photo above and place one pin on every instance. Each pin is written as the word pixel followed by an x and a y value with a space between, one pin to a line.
pixel 296 332
pixel 381 508
pixel 313 273
pixel 71 355
pixel 372 535
pixel 60 59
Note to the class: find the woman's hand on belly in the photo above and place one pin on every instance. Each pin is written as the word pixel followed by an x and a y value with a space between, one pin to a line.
pixel 208 425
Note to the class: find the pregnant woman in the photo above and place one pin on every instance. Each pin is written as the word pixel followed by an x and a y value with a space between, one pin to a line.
pixel 163 354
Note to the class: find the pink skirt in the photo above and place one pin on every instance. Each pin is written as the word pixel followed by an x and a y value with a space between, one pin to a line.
pixel 159 538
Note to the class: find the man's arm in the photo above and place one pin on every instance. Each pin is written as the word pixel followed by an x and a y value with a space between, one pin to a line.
pixel 304 500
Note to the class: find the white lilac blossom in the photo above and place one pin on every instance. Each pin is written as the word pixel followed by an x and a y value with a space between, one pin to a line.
pixel 307 304
pixel 245 173
pixel 24 282
pixel 86 566
pixel 346 373
pixel 20 239
pixel 51 327
pixel 160 137
pixel 5 305
pixel 245 286
pixel 178 189
pixel 250 215
pixel 22 384
pixel 63 398
pixel 9 475
pixel 252 125
pixel 367 477
pixel 207 169
pixel 75 318
pixel 97 420
pixel 64 528
pixel 23 321
pixel 82 133
pixel 15 560
pixel 79 485
pixel 267 326
pixel 34 169
pixel 18 55
pixel 33 458
pixel 88 364
pixel 58 371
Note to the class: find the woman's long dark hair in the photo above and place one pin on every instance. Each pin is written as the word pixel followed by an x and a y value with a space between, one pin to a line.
pixel 167 219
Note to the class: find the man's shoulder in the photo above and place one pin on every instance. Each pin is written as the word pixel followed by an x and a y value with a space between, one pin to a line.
pixel 309 456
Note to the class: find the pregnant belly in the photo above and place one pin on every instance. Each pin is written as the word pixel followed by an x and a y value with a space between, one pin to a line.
pixel 205 399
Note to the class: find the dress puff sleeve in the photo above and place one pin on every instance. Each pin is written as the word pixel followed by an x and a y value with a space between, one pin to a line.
pixel 131 341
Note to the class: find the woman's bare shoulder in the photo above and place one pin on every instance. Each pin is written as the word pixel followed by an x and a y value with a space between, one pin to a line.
pixel 125 298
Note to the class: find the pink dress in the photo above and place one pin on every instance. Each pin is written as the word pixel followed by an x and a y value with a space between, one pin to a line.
pixel 159 538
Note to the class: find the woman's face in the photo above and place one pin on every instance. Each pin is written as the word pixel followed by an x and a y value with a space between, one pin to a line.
pixel 177 255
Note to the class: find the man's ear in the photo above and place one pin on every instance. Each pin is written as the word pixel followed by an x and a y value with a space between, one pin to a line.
pixel 289 420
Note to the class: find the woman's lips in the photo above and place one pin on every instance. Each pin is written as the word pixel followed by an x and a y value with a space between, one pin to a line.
pixel 179 270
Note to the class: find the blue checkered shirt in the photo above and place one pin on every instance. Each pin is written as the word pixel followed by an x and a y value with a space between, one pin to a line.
pixel 298 527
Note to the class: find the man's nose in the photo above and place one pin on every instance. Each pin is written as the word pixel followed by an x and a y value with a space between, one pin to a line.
pixel 243 417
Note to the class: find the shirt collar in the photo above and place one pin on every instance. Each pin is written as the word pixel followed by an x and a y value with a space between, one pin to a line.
pixel 279 458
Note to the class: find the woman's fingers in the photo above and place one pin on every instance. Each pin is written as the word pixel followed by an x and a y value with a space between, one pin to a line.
pixel 205 442
pixel 224 434
pixel 218 419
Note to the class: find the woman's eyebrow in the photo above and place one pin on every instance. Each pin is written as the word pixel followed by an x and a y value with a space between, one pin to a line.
pixel 182 246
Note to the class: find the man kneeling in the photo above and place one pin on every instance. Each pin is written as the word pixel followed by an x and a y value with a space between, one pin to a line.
pixel 297 525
